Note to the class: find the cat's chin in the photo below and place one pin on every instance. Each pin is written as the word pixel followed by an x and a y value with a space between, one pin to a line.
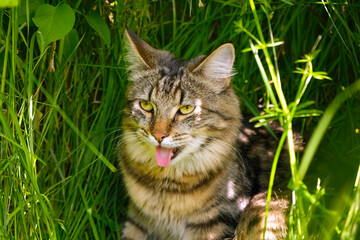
pixel 179 154
pixel 174 157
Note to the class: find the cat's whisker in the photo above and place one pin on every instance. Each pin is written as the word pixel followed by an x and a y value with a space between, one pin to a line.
pixel 128 136
pixel 114 139
pixel 227 144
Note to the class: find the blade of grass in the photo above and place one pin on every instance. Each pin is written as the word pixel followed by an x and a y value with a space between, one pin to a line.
pixel 322 126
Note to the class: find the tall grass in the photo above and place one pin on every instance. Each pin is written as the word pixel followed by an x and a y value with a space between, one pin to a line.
pixel 60 122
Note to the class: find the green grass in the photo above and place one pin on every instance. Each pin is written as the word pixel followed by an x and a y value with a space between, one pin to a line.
pixel 59 129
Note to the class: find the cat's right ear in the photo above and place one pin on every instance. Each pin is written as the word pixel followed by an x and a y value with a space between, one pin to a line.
pixel 140 55
pixel 217 68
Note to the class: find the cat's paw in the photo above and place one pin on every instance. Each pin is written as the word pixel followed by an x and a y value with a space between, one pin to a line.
pixel 132 232
pixel 251 225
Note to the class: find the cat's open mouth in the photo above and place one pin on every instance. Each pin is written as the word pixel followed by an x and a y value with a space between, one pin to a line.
pixel 165 155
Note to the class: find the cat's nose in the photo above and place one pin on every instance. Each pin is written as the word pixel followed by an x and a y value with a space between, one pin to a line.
pixel 160 130
pixel 159 136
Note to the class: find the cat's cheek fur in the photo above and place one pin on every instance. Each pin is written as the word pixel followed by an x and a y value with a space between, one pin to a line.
pixel 138 152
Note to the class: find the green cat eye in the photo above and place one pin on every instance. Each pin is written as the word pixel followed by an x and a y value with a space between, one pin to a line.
pixel 186 109
pixel 147 106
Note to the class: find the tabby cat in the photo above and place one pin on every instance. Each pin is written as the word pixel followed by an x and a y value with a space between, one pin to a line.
pixel 191 168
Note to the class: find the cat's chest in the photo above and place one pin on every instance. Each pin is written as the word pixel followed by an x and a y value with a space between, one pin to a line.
pixel 161 202
pixel 165 196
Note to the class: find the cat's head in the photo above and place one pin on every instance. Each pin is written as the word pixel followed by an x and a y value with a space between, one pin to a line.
pixel 179 112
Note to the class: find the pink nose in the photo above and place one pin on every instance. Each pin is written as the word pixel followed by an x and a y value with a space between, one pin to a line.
pixel 160 130
pixel 159 135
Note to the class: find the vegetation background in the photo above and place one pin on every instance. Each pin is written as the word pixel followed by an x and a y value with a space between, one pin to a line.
pixel 63 81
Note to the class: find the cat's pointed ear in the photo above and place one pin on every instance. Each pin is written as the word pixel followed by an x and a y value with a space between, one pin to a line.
pixel 139 53
pixel 218 66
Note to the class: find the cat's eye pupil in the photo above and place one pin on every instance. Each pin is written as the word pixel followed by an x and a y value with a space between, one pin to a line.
pixel 187 109
pixel 145 105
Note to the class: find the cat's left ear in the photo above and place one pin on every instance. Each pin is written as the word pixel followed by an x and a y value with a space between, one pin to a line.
pixel 140 55
pixel 218 66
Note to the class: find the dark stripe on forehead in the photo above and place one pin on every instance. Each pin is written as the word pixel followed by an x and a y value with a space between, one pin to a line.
pixel 168 84
pixel 172 66
pixel 170 75
pixel 172 84
pixel 178 91
pixel 157 87
pixel 182 96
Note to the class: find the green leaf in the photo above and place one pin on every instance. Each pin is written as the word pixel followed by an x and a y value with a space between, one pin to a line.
pixel 54 22
pixel 40 41
pixel 315 53
pixel 302 61
pixel 263 46
pixel 263 117
pixel 299 70
pixel 33 6
pixel 321 76
pixel 308 113
pixel 9 3
pixel 99 25
pixel 301 105
pixel 70 43
pixel 264 122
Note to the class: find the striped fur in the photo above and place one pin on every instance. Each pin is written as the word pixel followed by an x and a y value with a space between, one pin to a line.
pixel 215 184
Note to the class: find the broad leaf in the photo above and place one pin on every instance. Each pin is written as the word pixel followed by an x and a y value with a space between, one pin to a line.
pixel 70 43
pixel 99 25
pixel 40 41
pixel 54 22
pixel 33 6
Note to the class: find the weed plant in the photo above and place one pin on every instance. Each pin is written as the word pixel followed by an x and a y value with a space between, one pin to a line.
pixel 63 82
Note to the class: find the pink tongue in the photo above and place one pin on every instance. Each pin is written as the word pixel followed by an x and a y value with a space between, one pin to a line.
pixel 163 156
